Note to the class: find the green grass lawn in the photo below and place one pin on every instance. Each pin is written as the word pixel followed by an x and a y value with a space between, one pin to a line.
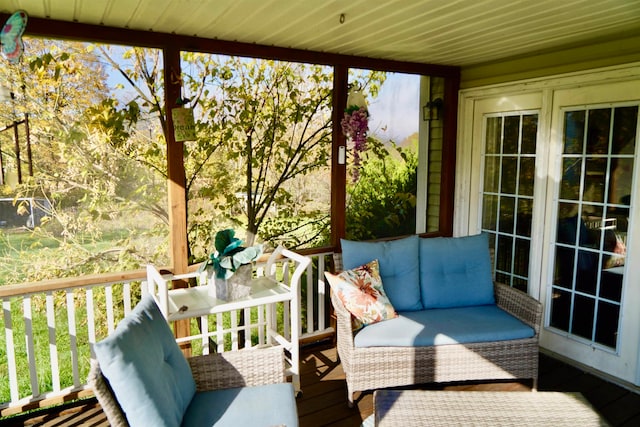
pixel 13 242
pixel 22 249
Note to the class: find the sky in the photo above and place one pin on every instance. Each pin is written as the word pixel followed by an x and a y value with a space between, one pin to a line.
pixel 394 114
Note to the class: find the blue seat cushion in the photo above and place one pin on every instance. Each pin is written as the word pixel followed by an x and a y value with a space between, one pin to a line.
pixel 460 325
pixel 455 271
pixel 267 405
pixel 399 267
pixel 149 375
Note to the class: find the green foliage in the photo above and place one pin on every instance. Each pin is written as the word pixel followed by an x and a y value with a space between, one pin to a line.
pixel 261 160
pixel 382 203
pixel 116 124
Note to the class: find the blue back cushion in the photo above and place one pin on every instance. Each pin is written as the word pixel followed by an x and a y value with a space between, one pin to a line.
pixel 455 271
pixel 148 373
pixel 399 267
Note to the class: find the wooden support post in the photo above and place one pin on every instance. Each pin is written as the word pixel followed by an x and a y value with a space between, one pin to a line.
pixel 1 167
pixel 338 171
pixel 449 138
pixel 176 184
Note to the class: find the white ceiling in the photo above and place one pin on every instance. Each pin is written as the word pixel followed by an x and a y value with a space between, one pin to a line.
pixel 448 32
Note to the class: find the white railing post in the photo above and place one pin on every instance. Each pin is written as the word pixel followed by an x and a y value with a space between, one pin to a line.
pixel 11 354
pixel 53 348
pixel 126 297
pixel 91 321
pixel 108 294
pixel 73 337
pixel 310 307
pixel 321 294
pixel 31 353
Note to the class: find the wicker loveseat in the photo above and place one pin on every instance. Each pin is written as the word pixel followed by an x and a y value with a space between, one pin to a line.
pixel 428 341
pixel 141 378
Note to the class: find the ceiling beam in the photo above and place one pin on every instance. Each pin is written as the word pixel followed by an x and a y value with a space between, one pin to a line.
pixel 49 28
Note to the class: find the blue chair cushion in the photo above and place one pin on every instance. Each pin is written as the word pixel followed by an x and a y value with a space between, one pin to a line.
pixel 267 405
pixel 455 271
pixel 149 375
pixel 442 326
pixel 399 267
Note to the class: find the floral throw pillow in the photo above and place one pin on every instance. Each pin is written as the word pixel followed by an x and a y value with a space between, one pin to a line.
pixel 360 290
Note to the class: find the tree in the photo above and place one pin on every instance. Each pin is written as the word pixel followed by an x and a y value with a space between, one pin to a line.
pixel 271 122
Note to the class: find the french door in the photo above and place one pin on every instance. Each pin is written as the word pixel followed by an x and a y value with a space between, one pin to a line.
pixel 592 216
pixel 591 289
pixel 555 175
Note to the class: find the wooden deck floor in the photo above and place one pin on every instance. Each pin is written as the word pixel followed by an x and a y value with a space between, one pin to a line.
pixel 323 402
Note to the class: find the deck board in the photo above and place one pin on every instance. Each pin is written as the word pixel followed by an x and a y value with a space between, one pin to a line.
pixel 323 401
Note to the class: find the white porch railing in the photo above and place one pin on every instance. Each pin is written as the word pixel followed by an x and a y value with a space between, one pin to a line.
pixel 50 329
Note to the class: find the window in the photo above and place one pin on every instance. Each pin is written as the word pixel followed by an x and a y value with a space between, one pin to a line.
pixel 507 195
pixel 593 218
pixel 260 162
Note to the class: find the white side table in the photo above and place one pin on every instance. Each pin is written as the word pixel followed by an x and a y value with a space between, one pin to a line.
pixel 193 302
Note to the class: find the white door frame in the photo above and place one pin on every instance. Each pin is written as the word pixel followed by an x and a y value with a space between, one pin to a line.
pixel 546 95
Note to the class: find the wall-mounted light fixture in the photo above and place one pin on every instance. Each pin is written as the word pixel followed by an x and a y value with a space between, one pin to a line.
pixel 432 110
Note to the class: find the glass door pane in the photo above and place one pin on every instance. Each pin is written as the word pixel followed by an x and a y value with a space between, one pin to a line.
pixel 507 194
pixel 593 218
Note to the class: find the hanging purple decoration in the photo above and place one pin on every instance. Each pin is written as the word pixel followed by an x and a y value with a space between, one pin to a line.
pixel 11 36
pixel 355 125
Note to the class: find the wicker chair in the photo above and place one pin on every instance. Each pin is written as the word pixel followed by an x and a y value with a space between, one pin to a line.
pixel 210 372
pixel 140 377
pixel 371 368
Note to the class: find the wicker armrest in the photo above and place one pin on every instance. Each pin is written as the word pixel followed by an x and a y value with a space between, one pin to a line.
pixel 249 367
pixel 339 308
pixel 104 394
pixel 343 316
pixel 519 304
